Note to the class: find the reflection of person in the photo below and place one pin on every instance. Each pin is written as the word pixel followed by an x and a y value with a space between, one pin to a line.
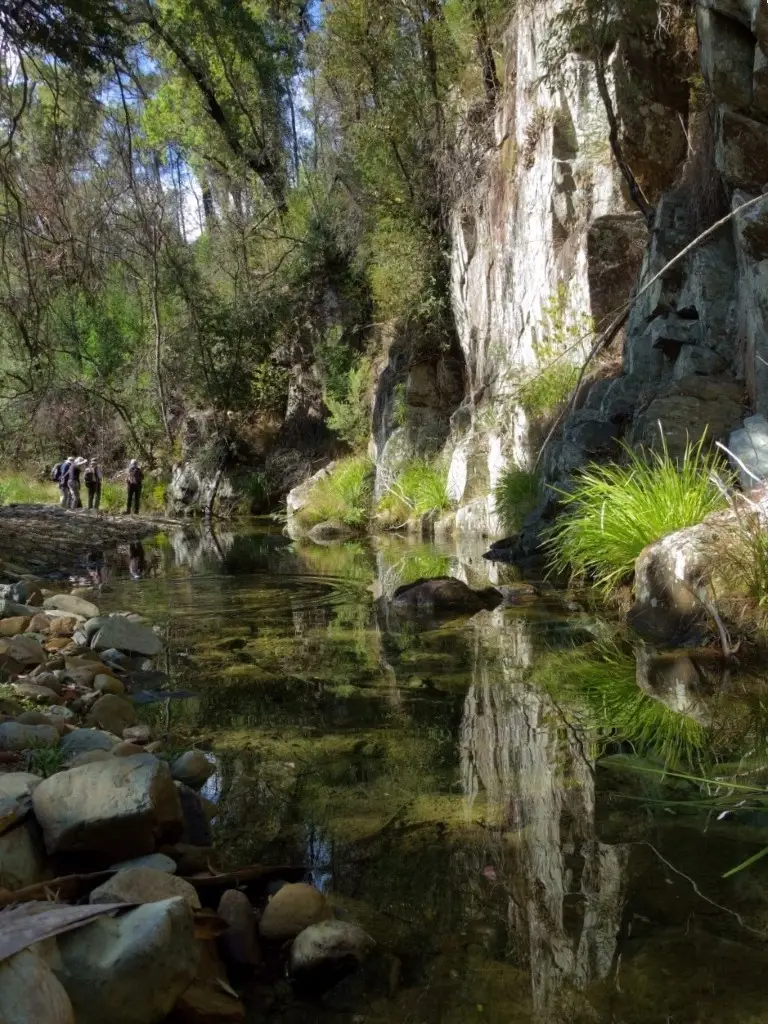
pixel 94 563
pixel 137 560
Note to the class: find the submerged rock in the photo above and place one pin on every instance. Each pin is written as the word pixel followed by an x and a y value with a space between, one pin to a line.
pixel 445 594
pixel 292 909
pixel 239 943
pixel 22 858
pixel 130 969
pixel 324 953
pixel 71 604
pixel 207 1000
pixel 192 768
pixel 121 807
pixel 112 713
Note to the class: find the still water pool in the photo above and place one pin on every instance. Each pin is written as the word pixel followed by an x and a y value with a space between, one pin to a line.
pixel 531 817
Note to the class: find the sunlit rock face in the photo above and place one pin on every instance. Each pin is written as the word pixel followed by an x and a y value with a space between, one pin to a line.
pixel 564 888
pixel 546 244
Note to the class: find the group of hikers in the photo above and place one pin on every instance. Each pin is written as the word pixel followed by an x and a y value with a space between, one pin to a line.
pixel 71 473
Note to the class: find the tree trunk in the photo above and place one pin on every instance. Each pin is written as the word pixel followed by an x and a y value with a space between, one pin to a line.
pixel 155 293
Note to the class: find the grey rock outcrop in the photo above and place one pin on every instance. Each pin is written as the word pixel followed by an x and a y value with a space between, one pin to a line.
pixel 116 631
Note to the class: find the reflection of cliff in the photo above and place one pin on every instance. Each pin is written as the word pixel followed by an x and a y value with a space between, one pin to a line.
pixel 201 548
pixel 565 888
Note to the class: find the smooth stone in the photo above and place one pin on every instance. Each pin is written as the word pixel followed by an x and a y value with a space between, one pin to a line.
pixel 82 677
pixel 121 807
pixel 16 785
pixel 26 650
pixel 39 623
pixel 70 603
pixel 10 707
pixel 130 969
pixel 22 857
pixel 144 885
pixel 445 594
pixel 115 658
pixel 192 768
pixel 58 643
pixel 37 693
pixel 89 757
pixel 16 737
pixel 42 677
pixel 62 713
pixel 81 741
pixel 291 910
pixel 324 953
pixel 108 684
pixel 197 829
pixel 157 861
pixel 30 993
pixel 140 734
pixel 79 638
pixel 63 625
pixel 10 609
pixel 124 635
pixel 33 718
pixel 239 943
pixel 125 749
pixel 190 860
pixel 112 713
pixel 15 625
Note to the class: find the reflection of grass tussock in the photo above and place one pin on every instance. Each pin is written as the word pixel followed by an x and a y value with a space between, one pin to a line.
pixel 600 680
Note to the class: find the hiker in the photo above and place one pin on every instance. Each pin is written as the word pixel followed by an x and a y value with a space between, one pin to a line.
pixel 92 478
pixel 59 476
pixel 134 478
pixel 73 482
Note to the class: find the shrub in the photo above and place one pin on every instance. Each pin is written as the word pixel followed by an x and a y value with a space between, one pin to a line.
pixel 350 416
pixel 515 496
pixel 346 495
pixel 615 511
pixel 420 488
pixel 549 388
pixel 113 496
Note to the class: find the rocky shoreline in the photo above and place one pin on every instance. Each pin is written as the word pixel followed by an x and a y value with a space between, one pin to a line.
pixel 114 908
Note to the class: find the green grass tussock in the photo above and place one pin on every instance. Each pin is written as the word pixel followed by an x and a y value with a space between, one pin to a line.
pixel 346 495
pixel 24 490
pixel 617 510
pixel 421 488
pixel 20 489
pixel 515 496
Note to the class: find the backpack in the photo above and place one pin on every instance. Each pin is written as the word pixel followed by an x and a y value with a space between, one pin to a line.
pixel 89 476
pixel 56 473
pixel 134 476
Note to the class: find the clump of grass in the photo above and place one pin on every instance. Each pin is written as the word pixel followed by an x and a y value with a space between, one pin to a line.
pixel 113 496
pixel 548 389
pixel 346 495
pixel 45 761
pixel 617 510
pixel 16 489
pixel 515 496
pixel 421 488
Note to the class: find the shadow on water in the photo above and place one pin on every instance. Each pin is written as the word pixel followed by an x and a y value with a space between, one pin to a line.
pixel 531 817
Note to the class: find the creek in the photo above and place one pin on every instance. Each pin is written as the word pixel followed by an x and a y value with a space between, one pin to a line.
pixel 502 827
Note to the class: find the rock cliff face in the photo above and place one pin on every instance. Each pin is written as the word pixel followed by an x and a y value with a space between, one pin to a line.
pixel 547 247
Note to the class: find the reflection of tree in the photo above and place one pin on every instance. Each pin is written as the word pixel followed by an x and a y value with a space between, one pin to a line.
pixel 564 888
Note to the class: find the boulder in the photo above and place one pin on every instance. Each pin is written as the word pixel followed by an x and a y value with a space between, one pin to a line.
pixel 10 707
pixel 324 953
pixel 89 757
pixel 140 734
pixel 22 857
pixel 144 885
pixel 158 861
pixel 192 768
pixel 81 741
pixel 73 605
pixel 292 909
pixel 14 736
pixel 444 594
pixel 15 625
pixel 30 992
pixel 130 969
pixel 10 609
pixel 121 807
pixel 108 684
pixel 43 677
pixel 125 749
pixel 26 650
pixel 197 829
pixel 112 713
pixel 239 944
pixel 16 785
pixel 124 635
pixel 39 694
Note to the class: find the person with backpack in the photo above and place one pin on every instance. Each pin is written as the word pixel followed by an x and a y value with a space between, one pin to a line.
pixel 134 478
pixel 59 476
pixel 73 483
pixel 92 479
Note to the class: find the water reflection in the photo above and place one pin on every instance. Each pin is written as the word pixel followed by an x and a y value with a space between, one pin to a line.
pixel 532 817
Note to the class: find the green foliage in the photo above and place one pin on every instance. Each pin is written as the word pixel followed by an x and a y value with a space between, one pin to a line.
pixel 114 494
pixel 25 490
pixel 345 495
pixel 45 761
pixel 350 415
pixel 269 386
pixel 420 488
pixel 548 388
pixel 615 511
pixel 515 496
